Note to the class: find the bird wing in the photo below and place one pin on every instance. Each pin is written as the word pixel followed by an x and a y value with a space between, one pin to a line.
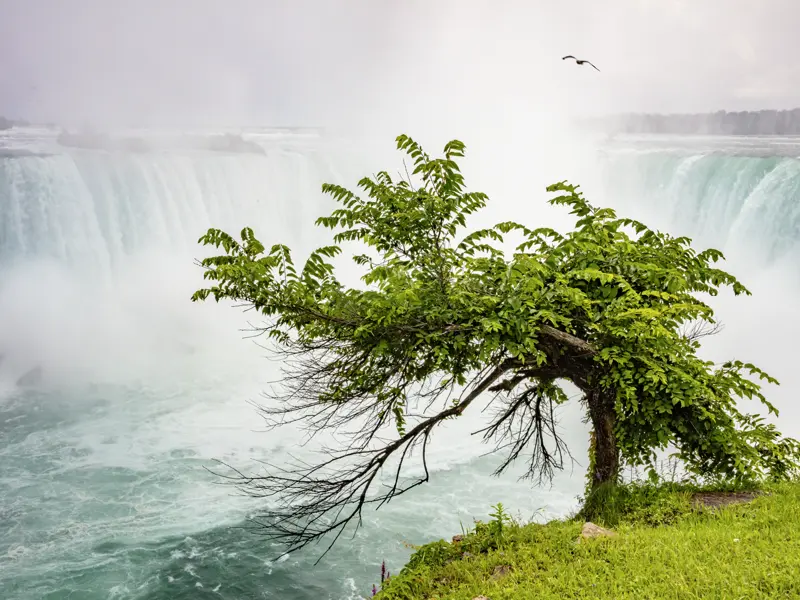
pixel 568 56
pixel 595 68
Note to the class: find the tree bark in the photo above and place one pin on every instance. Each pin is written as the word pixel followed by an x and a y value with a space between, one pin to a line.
pixel 606 453
pixel 569 340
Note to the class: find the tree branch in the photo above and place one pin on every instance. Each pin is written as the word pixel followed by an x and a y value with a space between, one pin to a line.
pixel 568 340
pixel 313 501
pixel 700 329
pixel 527 421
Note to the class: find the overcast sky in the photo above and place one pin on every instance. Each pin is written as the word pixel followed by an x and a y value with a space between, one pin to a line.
pixel 338 61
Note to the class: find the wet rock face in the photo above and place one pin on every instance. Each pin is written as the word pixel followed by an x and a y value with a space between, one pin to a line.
pixel 31 378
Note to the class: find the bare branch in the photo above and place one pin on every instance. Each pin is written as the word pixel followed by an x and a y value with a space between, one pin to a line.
pixel 540 373
pixel 700 329
pixel 528 421
pixel 313 501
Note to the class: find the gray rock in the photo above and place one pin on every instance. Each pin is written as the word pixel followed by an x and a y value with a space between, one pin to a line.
pixel 31 378
pixel 501 571
pixel 590 530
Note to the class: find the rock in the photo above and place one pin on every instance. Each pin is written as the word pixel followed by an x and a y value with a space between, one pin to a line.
pixel 590 530
pixel 457 538
pixel 714 500
pixel 480 598
pixel 30 378
pixel 501 571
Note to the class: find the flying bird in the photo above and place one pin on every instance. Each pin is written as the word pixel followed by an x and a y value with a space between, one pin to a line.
pixel 579 61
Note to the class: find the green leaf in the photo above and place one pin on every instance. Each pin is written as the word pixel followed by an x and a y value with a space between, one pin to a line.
pixel 608 304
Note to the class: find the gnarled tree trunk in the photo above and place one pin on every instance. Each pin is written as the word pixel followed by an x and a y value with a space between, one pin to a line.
pixel 605 468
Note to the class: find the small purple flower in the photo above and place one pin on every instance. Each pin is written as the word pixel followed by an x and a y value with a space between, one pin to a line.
pixel 385 575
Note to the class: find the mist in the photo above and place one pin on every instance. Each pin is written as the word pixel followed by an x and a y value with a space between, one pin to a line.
pixel 376 64
pixel 490 74
pixel 97 248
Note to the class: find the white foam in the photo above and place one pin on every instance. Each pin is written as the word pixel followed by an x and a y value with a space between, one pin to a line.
pixel 171 380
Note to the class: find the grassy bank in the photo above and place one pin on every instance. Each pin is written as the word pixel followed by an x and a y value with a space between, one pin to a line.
pixel 670 542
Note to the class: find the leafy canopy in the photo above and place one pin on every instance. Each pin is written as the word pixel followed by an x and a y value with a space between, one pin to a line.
pixel 440 304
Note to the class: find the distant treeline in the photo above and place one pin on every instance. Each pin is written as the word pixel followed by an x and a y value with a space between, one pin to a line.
pixel 762 122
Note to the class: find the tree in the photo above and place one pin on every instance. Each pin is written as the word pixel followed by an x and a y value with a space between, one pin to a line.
pixel 445 316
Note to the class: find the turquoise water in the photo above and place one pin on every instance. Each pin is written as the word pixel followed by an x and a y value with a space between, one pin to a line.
pixel 105 496
pixel 105 490
pixel 747 203
pixel 104 484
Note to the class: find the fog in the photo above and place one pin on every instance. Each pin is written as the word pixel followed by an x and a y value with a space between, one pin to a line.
pixel 97 248
pixel 370 64
pixel 488 73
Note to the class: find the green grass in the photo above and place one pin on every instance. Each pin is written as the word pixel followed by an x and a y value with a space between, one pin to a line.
pixel 664 549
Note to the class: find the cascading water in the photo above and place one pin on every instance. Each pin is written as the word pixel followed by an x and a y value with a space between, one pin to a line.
pixel 743 201
pixel 740 195
pixel 104 491
pixel 97 208
pixel 103 487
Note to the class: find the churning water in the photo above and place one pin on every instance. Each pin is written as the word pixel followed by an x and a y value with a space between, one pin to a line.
pixel 104 491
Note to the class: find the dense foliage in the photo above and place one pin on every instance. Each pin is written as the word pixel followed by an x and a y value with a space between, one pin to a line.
pixel 446 314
